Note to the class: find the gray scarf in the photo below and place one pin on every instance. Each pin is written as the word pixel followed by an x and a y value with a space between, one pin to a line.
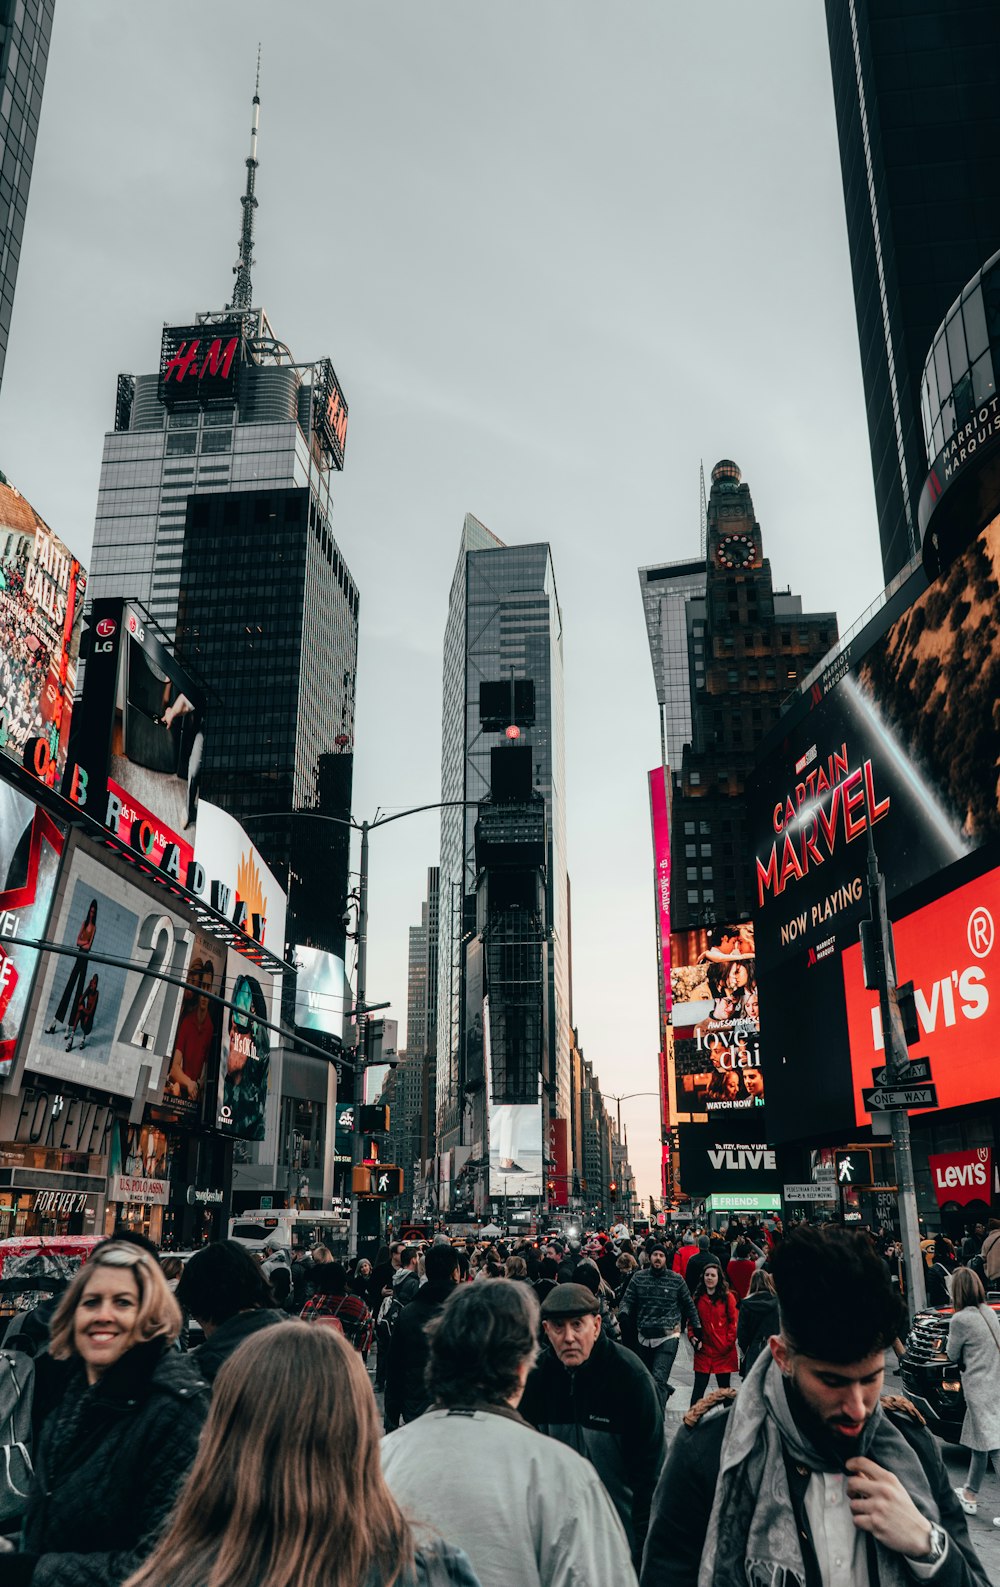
pixel 752 1539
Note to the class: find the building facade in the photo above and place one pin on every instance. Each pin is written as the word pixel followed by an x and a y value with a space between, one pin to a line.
pixel 504 631
pixel 25 32
pixel 917 100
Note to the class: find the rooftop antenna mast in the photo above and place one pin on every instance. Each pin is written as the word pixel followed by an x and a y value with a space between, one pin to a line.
pixel 243 290
pixel 704 515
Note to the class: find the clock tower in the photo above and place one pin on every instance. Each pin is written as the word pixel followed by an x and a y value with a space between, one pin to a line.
pixel 734 540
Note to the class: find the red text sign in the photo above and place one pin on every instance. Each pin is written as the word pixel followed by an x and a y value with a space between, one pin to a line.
pixel 962 1176
pixel 947 950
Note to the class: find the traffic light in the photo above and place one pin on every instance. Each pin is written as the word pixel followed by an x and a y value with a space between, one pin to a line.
pixel 383 1180
pixel 374 1120
pixel 551 1187
pixel 613 1189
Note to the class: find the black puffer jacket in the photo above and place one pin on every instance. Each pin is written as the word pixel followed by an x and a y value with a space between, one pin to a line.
pixel 108 1464
pixel 758 1321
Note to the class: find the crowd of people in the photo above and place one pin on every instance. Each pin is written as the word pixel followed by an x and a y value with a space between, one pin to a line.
pixel 472 1413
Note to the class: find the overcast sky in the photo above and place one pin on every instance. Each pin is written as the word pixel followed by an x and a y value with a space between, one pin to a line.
pixel 559 252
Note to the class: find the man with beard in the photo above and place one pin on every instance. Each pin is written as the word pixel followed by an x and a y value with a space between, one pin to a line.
pixel 808 1477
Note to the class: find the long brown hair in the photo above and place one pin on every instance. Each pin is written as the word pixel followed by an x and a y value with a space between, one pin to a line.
pixel 287 1488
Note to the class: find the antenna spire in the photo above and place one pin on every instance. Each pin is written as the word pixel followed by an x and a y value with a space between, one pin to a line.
pixel 704 514
pixel 243 290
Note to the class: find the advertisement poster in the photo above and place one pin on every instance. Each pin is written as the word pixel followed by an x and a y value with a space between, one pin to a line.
pixel 30 846
pixel 320 991
pixel 42 588
pixel 902 732
pixel 720 1158
pixel 949 951
pixel 195 1042
pixel 139 735
pixel 343 1132
pixel 239 876
pixel 244 1071
pixel 559 1162
pixel 716 1024
pixel 96 1023
pixel 515 1149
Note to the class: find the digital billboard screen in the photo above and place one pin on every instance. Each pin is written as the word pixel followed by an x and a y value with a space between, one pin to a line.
pixel 42 587
pixel 138 739
pixel 515 1149
pixel 31 844
pixel 96 1023
pixel 901 731
pixel 715 1021
pixel 320 991
pixel 194 1047
pixel 948 950
pixel 242 885
pixel 244 1072
pixel 719 1156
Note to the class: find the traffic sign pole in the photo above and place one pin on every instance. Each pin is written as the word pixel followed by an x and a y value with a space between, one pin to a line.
pixel 877 934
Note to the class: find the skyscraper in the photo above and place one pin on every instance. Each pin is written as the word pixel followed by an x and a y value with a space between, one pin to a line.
pixel 917 99
pixel 25 30
pixel 214 511
pixel 504 630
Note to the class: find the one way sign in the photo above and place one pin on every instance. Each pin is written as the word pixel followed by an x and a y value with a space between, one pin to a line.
pixel 900 1096
pixel 917 1070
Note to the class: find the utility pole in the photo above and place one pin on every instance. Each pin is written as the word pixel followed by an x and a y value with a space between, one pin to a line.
pixel 879 960
pixel 361 1019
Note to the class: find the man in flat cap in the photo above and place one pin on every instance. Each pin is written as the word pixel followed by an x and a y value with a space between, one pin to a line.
pixel 598 1398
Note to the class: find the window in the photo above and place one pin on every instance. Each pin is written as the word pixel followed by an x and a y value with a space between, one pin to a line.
pixel 694 778
pixel 691 850
pixel 706 851
pixel 689 829
pixel 692 896
pixel 692 873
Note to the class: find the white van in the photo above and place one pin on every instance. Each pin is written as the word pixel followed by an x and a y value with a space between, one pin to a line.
pixel 262 1228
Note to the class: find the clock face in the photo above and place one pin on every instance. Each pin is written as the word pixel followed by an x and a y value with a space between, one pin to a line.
pixel 736 551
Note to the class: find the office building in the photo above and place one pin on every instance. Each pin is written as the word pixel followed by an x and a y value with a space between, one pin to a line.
pixel 25 31
pixel 410 1089
pixel 917 98
pixel 503 669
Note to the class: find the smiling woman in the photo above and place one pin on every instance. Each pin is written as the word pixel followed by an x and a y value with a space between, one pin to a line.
pixel 118 1414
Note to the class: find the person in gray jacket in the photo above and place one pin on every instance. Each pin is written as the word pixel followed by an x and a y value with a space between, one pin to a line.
pixel 974 1345
pixel 655 1304
pixel 523 1507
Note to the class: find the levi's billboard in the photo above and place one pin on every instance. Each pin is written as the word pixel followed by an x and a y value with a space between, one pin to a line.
pixel 961 1177
pixel 948 949
pixel 898 732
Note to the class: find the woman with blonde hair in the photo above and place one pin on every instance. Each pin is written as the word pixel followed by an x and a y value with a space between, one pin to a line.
pixel 287 1489
pixel 121 1434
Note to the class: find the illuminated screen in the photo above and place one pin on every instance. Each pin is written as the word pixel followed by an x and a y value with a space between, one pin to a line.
pixel 30 846
pixel 97 1024
pixel 716 1026
pixel 42 589
pixel 515 1149
pixel 245 1068
pixel 320 991
pixel 902 726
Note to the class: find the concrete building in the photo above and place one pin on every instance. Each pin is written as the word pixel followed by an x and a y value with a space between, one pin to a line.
pixel 25 32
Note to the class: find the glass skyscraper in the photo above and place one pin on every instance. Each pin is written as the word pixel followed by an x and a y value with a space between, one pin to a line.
pixel 504 625
pixel 917 98
pixel 25 30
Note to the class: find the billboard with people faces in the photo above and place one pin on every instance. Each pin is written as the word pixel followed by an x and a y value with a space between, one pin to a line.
pixel 31 844
pixel 715 1022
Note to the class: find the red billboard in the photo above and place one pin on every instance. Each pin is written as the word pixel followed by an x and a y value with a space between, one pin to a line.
pixel 961 1177
pixel 947 950
pixel 559 1156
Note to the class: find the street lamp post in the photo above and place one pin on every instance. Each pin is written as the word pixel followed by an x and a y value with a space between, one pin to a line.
pixel 362 1008
pixel 612 1096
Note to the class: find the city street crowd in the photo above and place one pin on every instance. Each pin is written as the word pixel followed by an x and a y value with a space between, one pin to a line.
pixel 463 1412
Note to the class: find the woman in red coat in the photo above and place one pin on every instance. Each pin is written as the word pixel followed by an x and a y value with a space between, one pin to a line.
pixel 716 1307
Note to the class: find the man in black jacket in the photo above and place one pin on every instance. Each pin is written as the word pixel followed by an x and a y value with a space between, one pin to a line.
pixel 226 1292
pixel 654 1308
pixel 808 1477
pixel 406 1394
pixel 599 1399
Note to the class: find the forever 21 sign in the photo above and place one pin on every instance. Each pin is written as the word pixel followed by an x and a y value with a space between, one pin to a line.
pixel 200 363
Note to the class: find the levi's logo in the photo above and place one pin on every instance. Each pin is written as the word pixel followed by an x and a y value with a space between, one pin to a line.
pixel 962 992
pixel 189 362
pixel 961 1174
